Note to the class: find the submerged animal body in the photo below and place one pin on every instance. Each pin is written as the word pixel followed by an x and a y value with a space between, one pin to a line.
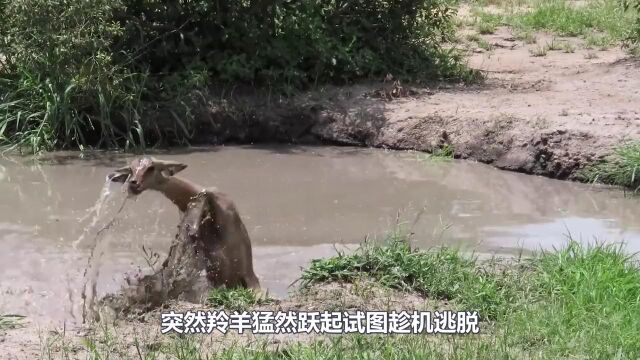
pixel 210 219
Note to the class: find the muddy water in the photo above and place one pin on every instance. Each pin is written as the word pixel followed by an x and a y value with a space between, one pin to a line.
pixel 297 203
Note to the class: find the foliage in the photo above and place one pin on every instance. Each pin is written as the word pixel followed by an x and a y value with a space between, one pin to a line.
pixel 621 168
pixel 235 299
pixel 75 73
pixel 441 273
pixel 633 36
pixel 291 43
pixel 59 85
pixel 574 302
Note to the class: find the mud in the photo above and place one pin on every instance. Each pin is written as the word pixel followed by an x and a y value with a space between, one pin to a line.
pixel 138 335
pixel 550 115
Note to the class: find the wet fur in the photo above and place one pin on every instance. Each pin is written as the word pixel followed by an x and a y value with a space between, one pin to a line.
pixel 214 225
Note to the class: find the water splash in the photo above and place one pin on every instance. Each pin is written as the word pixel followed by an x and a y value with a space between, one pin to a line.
pixel 97 246
pixel 179 276
pixel 95 210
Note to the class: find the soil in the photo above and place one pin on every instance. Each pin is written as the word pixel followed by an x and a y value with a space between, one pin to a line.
pixel 548 115
pixel 115 336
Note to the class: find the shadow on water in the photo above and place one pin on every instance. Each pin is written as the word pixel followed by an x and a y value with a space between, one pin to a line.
pixel 297 203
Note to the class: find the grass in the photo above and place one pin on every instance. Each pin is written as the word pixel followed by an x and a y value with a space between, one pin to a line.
pixel 576 301
pixel 603 22
pixel 579 301
pixel 8 322
pixel 480 42
pixel 440 274
pixel 565 19
pixel 234 299
pixel 622 168
pixel 526 36
pixel 539 51
pixel 443 153
pixel 486 23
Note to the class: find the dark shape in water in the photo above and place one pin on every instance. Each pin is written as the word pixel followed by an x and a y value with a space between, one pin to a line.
pixel 180 272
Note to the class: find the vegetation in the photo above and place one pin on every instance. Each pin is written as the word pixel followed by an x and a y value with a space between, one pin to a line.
pixel 9 322
pixel 633 36
pixel 77 73
pixel 622 168
pixel 234 299
pixel 580 301
pixel 440 274
pixel 603 22
pixel 549 306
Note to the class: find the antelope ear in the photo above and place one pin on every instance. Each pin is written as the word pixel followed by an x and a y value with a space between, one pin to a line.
pixel 169 167
pixel 120 175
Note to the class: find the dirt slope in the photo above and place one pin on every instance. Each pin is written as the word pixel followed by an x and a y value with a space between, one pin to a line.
pixel 548 115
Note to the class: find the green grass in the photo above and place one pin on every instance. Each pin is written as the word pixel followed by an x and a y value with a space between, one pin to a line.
pixel 604 20
pixel 336 348
pixel 565 19
pixel 440 274
pixel 234 299
pixel 622 168
pixel 577 302
pixel 445 152
pixel 581 301
pixel 486 23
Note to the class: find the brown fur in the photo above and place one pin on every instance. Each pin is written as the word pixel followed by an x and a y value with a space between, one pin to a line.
pixel 222 233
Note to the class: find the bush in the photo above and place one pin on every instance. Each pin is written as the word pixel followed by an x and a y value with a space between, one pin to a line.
pixel 634 35
pixel 59 84
pixel 292 43
pixel 79 73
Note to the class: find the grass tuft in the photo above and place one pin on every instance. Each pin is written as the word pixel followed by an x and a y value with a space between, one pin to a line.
pixel 539 51
pixel 441 273
pixel 234 299
pixel 582 300
pixel 622 168
pixel 8 322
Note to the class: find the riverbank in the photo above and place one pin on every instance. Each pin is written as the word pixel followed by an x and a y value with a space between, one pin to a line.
pixel 550 116
pixel 559 94
pixel 550 305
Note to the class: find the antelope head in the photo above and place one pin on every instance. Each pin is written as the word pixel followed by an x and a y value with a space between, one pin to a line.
pixel 145 173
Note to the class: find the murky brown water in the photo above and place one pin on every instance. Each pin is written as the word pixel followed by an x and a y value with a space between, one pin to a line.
pixel 297 203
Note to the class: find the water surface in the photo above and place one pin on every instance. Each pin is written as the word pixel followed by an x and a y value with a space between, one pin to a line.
pixel 297 204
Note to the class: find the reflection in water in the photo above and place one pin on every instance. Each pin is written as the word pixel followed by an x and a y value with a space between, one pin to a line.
pixel 296 202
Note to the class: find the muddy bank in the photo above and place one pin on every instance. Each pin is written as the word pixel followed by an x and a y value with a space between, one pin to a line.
pixel 138 336
pixel 547 115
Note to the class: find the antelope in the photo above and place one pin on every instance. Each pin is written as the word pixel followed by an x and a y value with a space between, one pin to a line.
pixel 226 245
